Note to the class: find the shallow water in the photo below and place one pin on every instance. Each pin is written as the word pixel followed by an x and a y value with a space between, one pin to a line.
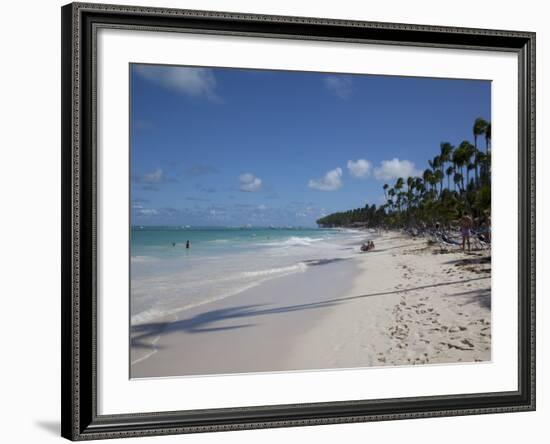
pixel 167 278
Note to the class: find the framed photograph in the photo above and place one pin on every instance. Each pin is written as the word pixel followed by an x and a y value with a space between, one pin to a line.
pixel 280 221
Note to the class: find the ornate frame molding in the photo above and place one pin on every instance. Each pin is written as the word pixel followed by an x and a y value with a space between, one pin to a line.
pixel 80 22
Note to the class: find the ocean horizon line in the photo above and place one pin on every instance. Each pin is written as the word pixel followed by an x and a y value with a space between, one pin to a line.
pixel 218 227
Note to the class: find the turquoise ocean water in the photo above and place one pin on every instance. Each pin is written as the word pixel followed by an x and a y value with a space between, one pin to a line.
pixel 167 278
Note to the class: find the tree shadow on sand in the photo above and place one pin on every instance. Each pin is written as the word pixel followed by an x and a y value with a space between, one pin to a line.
pixel 470 261
pixel 380 250
pixel 481 296
pixel 205 321
pixel 200 322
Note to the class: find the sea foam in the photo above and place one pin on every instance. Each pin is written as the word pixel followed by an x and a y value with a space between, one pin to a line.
pixel 167 279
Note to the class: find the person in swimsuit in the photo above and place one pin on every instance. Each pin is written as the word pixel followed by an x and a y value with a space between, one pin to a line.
pixel 466 224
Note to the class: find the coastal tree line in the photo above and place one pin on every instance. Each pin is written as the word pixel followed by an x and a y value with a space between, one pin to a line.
pixel 457 180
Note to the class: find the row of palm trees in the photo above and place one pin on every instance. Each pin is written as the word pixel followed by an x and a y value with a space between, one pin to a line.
pixel 457 163
pixel 458 179
pixel 467 170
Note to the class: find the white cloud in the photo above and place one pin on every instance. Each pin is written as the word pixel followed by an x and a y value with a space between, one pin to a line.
pixel 330 182
pixel 359 168
pixel 151 179
pixel 148 212
pixel 194 82
pixel 262 207
pixel 249 182
pixel 395 168
pixel 339 85
pixel 154 177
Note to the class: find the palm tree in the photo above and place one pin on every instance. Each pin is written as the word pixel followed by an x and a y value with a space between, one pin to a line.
pixel 478 155
pixel 410 199
pixel 435 163
pixel 410 187
pixel 480 125
pixel 481 161
pixel 458 180
pixel 427 175
pixel 471 166
pixel 462 156
pixel 487 137
pixel 419 185
pixel 479 128
pixel 450 171
pixel 391 193
pixel 438 177
pixel 398 186
pixel 446 150
pixel 459 160
pixel 469 151
pixel 433 183
pixel 423 200
pixel 400 197
pixel 487 147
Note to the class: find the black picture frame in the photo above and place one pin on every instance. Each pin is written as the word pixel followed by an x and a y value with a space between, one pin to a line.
pixel 80 420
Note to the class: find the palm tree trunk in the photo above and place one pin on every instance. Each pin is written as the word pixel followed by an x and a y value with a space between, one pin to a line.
pixel 475 154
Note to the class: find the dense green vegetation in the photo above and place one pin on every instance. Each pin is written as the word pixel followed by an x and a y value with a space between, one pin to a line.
pixel 458 180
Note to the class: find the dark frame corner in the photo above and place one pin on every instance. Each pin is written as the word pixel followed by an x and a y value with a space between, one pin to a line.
pixel 80 420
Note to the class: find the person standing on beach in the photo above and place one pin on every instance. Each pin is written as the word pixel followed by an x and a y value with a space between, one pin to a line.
pixel 466 224
pixel 487 225
pixel 187 245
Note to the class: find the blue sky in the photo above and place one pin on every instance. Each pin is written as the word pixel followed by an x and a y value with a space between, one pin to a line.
pixel 227 147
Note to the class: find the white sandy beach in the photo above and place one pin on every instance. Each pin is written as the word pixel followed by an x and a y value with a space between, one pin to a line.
pixel 404 303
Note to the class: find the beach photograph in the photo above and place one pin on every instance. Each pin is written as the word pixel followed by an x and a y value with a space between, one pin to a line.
pixel 305 221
